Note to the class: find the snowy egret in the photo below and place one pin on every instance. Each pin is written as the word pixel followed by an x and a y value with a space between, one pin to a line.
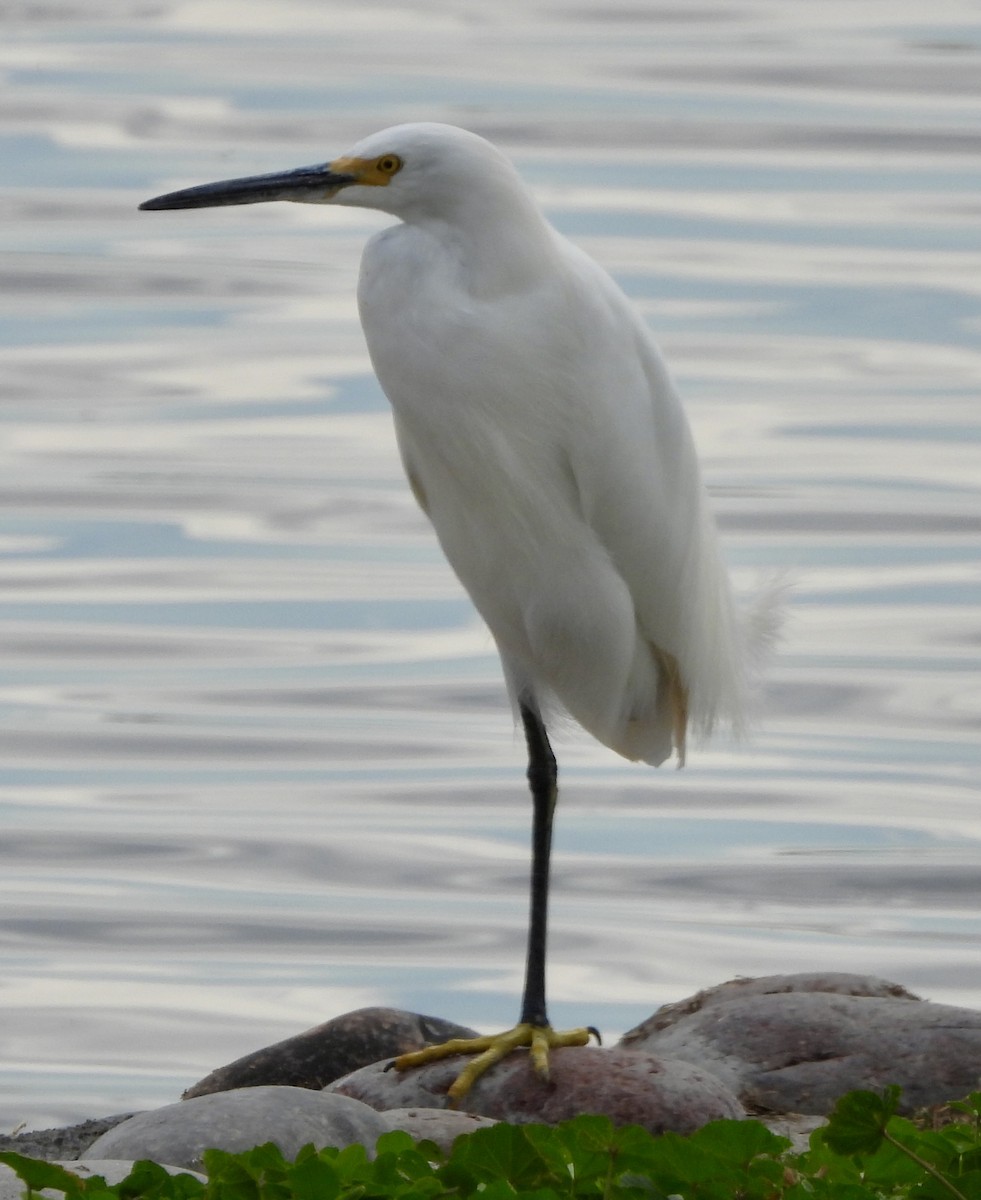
pixel 542 436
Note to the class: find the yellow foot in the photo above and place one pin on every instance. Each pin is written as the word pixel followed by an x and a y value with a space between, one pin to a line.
pixel 491 1049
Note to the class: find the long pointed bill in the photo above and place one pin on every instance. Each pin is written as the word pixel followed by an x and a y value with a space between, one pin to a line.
pixel 305 184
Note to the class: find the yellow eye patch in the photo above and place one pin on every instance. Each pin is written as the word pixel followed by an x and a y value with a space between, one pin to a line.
pixel 373 172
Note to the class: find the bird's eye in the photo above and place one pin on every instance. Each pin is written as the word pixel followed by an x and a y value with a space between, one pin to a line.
pixel 389 164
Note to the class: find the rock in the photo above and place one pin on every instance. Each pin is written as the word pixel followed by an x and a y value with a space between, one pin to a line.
pixel 233 1121
pixel 795 1126
pixel 838 982
pixel 799 1051
pixel 783 1045
pixel 627 1086
pixel 112 1171
pixel 328 1051
pixel 70 1142
pixel 440 1125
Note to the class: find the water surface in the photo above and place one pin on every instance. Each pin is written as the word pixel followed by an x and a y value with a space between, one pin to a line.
pixel 256 762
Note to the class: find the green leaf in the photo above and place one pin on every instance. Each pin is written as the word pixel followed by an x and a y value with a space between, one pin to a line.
pixel 351 1164
pixel 499 1153
pixel 150 1181
pixel 969 1157
pixel 738 1142
pixel 939 1149
pixel 589 1131
pixel 866 1153
pixel 314 1178
pixel 37 1174
pixel 821 1188
pixel 229 1177
pixel 583 1148
pixel 891 1167
pixel 859 1119
pixel 970 1105
pixel 677 1166
pixel 394 1142
pixel 968 1184
pixel 552 1148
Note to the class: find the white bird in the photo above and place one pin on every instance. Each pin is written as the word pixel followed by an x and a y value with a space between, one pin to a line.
pixel 541 434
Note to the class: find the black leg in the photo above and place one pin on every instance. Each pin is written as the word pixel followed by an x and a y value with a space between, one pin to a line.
pixel 543 781
pixel 533 1030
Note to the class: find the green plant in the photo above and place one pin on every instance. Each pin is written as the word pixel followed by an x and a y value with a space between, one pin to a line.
pixel 866 1152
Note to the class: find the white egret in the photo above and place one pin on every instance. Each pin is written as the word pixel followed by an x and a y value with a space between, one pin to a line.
pixel 543 438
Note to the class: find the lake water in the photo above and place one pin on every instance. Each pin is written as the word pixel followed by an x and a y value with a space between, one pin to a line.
pixel 256 763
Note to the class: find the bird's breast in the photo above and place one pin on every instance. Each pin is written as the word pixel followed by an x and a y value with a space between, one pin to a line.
pixel 446 354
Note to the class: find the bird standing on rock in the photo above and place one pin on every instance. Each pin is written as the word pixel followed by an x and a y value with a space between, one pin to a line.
pixel 544 440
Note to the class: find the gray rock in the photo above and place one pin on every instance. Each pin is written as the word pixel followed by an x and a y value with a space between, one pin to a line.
pixel 239 1120
pixel 795 1126
pixel 69 1142
pixel 627 1086
pixel 320 1055
pixel 799 1051
pixel 440 1125
pixel 111 1170
pixel 837 982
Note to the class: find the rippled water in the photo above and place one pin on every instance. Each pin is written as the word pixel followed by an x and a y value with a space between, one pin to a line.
pixel 256 763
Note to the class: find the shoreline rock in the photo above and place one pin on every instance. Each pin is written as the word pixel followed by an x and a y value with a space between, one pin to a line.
pixel 781 1047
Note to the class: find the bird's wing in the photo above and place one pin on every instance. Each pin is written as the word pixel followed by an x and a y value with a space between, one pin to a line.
pixel 640 489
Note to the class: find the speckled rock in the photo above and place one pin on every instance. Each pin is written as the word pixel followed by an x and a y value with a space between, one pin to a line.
pixel 112 1171
pixel 316 1057
pixel 798 1051
pixel 627 1086
pixel 70 1142
pixel 440 1125
pixel 233 1121
pixel 839 983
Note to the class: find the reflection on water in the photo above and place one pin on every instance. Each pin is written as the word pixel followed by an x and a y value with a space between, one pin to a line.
pixel 256 763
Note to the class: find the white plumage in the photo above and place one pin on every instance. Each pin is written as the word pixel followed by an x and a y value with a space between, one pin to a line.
pixel 546 442
pixel 541 433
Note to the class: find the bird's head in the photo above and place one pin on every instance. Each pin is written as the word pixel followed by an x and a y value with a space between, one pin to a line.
pixel 408 170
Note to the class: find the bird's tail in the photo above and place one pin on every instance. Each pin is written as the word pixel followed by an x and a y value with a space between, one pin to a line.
pixel 762 618
pixel 726 689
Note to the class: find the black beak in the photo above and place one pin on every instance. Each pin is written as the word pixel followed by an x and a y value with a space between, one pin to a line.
pixel 308 184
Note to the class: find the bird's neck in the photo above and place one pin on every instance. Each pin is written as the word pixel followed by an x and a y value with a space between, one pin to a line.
pixel 496 249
